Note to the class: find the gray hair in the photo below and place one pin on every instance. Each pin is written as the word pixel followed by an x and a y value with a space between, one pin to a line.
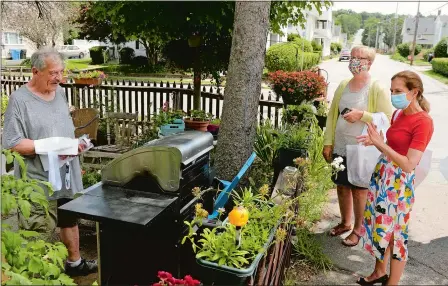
pixel 39 57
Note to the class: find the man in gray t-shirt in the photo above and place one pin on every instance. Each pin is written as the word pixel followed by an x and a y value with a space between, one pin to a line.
pixel 39 110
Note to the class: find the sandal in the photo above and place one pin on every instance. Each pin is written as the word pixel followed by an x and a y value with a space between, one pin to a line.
pixel 382 280
pixel 340 229
pixel 349 243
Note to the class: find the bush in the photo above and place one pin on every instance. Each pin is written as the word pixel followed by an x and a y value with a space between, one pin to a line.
pixel 427 52
pixel 99 55
pixel 296 87
pixel 288 57
pixel 440 65
pixel 336 47
pixel 405 49
pixel 140 61
pixel 398 57
pixel 126 55
pixel 304 45
pixel 316 47
pixel 440 49
pixel 4 105
pixel 293 37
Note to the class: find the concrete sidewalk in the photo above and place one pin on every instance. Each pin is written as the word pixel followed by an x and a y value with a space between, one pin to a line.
pixel 428 263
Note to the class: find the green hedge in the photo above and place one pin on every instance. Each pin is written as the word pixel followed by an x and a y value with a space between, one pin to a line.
pixel 283 57
pixel 99 55
pixel 405 49
pixel 440 65
pixel 440 49
pixel 336 47
pixel 316 47
pixel 427 52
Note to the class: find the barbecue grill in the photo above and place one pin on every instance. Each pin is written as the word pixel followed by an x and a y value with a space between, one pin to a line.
pixel 141 204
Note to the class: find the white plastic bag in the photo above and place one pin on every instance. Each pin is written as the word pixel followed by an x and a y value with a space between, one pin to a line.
pixel 361 160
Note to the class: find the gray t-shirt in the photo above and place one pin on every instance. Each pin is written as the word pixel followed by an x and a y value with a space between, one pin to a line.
pixel 30 117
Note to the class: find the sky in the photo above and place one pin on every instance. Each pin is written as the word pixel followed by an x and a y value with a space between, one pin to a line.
pixel 389 7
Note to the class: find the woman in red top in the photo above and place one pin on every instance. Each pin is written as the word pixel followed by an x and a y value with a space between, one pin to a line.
pixel 391 193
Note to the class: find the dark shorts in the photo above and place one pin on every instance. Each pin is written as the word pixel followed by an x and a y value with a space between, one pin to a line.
pixel 41 222
pixel 65 220
pixel 342 177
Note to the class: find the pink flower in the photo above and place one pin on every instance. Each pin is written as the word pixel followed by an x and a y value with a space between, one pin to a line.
pixel 397 228
pixel 402 206
pixel 368 247
pixel 363 231
pixel 370 197
pixel 388 236
pixel 392 196
pixel 164 275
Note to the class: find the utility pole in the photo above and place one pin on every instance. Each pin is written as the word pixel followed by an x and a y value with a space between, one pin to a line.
pixel 415 34
pixel 395 29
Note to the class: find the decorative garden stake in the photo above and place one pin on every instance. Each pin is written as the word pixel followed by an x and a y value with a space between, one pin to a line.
pixel 238 217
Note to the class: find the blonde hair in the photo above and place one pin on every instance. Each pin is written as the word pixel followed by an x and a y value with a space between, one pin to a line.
pixel 413 80
pixel 369 52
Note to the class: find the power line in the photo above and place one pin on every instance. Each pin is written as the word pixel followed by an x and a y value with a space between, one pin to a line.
pixel 435 9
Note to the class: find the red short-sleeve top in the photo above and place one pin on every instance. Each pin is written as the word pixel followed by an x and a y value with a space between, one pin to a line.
pixel 410 131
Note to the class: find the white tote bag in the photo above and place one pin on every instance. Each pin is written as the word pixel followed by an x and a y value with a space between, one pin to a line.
pixel 361 160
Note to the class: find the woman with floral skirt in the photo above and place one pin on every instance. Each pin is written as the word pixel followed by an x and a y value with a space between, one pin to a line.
pixel 391 194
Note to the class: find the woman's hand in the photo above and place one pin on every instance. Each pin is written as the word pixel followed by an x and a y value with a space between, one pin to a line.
pixel 353 116
pixel 365 140
pixel 376 138
pixel 327 153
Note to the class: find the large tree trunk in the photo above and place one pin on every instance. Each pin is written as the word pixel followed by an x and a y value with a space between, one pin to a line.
pixel 243 88
pixel 196 80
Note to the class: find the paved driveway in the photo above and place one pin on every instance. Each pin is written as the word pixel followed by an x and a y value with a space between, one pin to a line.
pixel 428 248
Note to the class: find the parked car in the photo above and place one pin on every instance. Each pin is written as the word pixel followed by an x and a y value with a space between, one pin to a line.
pixel 344 55
pixel 73 51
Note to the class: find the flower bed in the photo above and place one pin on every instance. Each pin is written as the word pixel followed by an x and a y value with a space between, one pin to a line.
pixel 90 78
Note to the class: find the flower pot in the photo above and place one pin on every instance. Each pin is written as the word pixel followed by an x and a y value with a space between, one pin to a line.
pixel 176 127
pixel 196 125
pixel 322 120
pixel 213 129
pixel 88 81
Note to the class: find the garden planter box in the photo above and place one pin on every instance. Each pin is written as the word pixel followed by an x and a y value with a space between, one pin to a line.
pixel 88 81
pixel 196 125
pixel 169 129
pixel 212 273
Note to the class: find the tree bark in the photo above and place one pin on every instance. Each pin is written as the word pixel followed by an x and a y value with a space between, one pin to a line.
pixel 243 88
pixel 196 80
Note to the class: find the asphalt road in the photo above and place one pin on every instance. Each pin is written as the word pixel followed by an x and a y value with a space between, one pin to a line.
pixel 428 246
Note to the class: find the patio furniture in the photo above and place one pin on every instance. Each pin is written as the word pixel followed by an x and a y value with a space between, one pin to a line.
pixel 86 121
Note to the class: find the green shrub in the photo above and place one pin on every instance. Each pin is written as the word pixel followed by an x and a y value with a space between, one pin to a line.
pixel 316 47
pixel 4 105
pixel 398 57
pixel 427 52
pixel 440 65
pixel 304 45
pixel 336 47
pixel 126 55
pixel 99 55
pixel 26 63
pixel 288 57
pixel 293 37
pixel 405 49
pixel 440 49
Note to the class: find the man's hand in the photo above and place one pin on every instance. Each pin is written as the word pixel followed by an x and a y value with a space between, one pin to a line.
pixel 327 153
pixel 81 147
pixel 25 147
pixel 354 115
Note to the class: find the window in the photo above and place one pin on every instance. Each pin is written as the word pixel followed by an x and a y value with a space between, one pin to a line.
pixel 9 38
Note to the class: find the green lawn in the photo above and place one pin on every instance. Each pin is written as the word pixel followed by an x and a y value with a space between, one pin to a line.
pixel 437 76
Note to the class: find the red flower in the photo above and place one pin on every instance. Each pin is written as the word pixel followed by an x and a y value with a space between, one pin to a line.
pixel 164 275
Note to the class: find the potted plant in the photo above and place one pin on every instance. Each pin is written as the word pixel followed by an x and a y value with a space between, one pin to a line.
pixel 169 121
pixel 213 127
pixel 295 114
pixel 231 252
pixel 296 87
pixel 90 78
pixel 198 120
pixel 321 115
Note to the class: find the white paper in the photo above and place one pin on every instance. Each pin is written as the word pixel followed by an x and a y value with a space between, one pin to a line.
pixel 54 175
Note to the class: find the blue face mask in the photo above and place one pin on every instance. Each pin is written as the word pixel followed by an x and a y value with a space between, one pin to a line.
pixel 399 101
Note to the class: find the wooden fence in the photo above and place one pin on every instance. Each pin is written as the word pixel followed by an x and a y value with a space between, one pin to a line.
pixel 146 98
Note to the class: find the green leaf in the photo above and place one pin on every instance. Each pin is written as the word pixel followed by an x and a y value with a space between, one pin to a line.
pixel 25 208
pixel 8 203
pixel 17 279
pixel 38 281
pixel 35 265
pixel 53 271
pixel 66 280
pixel 9 158
pixel 28 233
pixel 95 283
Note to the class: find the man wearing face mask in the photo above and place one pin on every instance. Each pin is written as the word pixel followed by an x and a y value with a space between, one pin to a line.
pixel 39 110
pixel 353 104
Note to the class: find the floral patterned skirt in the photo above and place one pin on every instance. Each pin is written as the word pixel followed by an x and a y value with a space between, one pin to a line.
pixel 389 202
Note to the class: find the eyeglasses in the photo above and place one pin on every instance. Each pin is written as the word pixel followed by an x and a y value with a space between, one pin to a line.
pixel 355 58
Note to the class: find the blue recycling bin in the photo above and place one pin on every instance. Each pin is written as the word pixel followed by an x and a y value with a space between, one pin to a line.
pixel 15 54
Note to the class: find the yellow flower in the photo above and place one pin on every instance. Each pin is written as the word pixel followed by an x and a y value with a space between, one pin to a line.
pixel 264 190
pixel 196 192
pixel 280 234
